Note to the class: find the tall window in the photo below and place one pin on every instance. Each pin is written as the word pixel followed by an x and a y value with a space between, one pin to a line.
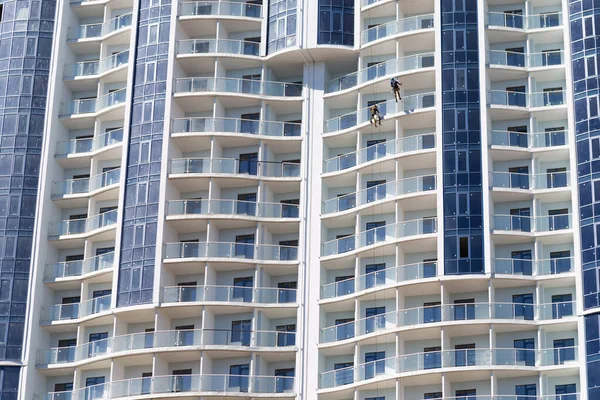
pixel 282 25
pixel 336 22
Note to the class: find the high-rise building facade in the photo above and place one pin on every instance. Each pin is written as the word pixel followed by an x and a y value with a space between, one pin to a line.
pixel 199 199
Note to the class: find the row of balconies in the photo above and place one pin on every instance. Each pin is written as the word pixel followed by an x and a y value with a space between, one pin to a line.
pixel 232 207
pixel 82 226
pixel 96 67
pixel 214 165
pixel 220 8
pixel 527 100
pixel 237 85
pixel 99 30
pixel 230 250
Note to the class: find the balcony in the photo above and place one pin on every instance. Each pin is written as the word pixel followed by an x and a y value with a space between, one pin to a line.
pixel 239 86
pixel 406 25
pixel 543 181
pixel 524 22
pixel 526 100
pixel 379 279
pixel 528 224
pixel 229 251
pixel 166 340
pixel 181 208
pixel 91 106
pixel 380 235
pixel 435 360
pixel 228 294
pixel 234 166
pixel 220 46
pixel 509 313
pixel 95 31
pixel 78 147
pixel 526 60
pixel 539 140
pixel 368 154
pixel 66 312
pixel 393 67
pixel 236 125
pixel 417 185
pixel 541 267
pixel 220 8
pixel 87 69
pixel 59 230
pixel 409 104
pixel 77 269
pixel 85 186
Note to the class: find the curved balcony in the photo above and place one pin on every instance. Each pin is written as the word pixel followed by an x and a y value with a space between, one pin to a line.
pixel 422 316
pixel 527 100
pixel 383 234
pixel 524 22
pixel 92 69
pixel 236 125
pixel 526 60
pixel 80 268
pixel 238 86
pixel 91 106
pixel 409 104
pixel 220 46
pixel 96 31
pixel 73 311
pixel 166 340
pixel 387 68
pixel 234 166
pixel 368 154
pixel 230 251
pixel 541 267
pixel 417 185
pixel 531 182
pixel 406 25
pixel 85 186
pixel 220 8
pixel 78 147
pixel 388 277
pixel 394 367
pixel 82 226
pixel 532 141
pixel 228 294
pixel 531 225
pixel 189 208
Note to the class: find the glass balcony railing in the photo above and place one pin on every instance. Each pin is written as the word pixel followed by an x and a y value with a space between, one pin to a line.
pixel 380 150
pixel 382 234
pixel 549 266
pixel 519 21
pixel 221 46
pixel 91 68
pixel 455 312
pixel 237 85
pixel 244 251
pixel 405 25
pixel 69 269
pixel 521 99
pixel 267 169
pixel 85 185
pixel 223 8
pixel 409 103
pixel 91 31
pixel 548 180
pixel 232 207
pixel 390 367
pixel 228 294
pixel 202 383
pixel 62 312
pixel 87 106
pixel 86 145
pixel 521 223
pixel 81 226
pixel 165 339
pixel 390 67
pixel 236 125
pixel 385 277
pixel 529 140
pixel 530 60
pixel 385 191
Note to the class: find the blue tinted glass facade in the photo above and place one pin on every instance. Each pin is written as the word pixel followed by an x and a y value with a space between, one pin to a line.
pixel 585 48
pixel 463 202
pixel 140 216
pixel 336 22
pixel 25 48
pixel 592 347
pixel 281 31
